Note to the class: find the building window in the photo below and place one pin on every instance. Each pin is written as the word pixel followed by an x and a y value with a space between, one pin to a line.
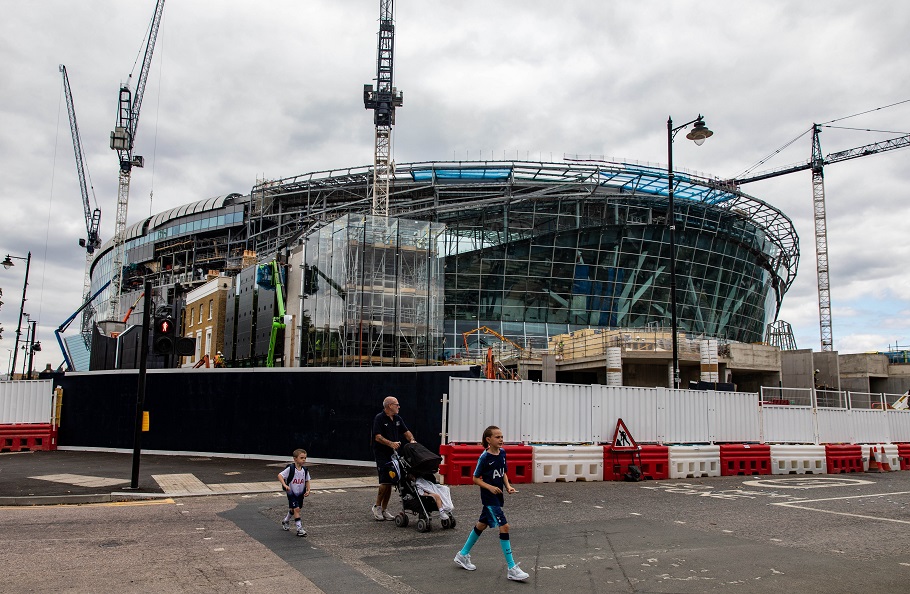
pixel 200 313
pixel 211 307
pixel 191 316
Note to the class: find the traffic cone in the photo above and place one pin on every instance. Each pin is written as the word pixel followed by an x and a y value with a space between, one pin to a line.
pixel 876 463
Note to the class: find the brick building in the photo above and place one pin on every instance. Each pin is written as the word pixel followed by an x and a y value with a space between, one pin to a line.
pixel 203 318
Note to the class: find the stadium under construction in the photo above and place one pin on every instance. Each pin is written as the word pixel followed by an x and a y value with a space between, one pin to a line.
pixel 528 252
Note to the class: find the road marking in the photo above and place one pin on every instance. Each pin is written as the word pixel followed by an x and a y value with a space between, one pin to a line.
pixel 826 511
pixel 80 480
pixel 136 503
pixel 804 482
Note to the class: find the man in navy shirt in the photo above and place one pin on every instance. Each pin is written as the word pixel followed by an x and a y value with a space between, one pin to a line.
pixel 388 431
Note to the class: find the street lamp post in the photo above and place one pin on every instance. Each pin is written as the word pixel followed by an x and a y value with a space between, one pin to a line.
pixel 33 347
pixel 698 135
pixel 6 264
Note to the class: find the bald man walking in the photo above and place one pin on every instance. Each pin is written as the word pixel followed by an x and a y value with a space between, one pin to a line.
pixel 388 432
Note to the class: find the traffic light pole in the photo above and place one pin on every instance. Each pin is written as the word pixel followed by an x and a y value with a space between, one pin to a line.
pixel 140 393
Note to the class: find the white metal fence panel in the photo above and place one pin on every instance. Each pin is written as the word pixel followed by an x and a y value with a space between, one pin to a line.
pixel 835 425
pixel 637 407
pixel 533 412
pixel 477 403
pixel 733 417
pixel 899 425
pixel 26 401
pixel 787 424
pixel 685 416
pixel 870 426
pixel 556 413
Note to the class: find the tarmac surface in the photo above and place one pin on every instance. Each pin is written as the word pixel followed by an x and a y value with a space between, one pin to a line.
pixel 209 524
pixel 73 476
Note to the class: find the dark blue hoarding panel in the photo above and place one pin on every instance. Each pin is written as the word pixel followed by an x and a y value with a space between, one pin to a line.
pixel 328 412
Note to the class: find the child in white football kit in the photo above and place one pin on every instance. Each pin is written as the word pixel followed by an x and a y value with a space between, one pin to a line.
pixel 490 475
pixel 295 480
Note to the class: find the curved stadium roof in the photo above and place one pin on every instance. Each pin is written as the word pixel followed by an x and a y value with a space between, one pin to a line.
pixel 444 188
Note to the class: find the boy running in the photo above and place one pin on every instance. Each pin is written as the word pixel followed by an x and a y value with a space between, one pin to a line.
pixel 297 487
pixel 490 475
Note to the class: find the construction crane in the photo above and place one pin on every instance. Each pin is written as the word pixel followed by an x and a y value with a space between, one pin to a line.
pixel 492 332
pixel 122 139
pixel 383 101
pixel 817 164
pixel 92 241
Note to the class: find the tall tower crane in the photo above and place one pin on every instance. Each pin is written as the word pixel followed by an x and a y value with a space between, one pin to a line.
pixel 92 241
pixel 122 139
pixel 383 101
pixel 817 164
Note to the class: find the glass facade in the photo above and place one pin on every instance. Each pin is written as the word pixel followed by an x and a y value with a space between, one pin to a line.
pixel 573 264
pixel 372 293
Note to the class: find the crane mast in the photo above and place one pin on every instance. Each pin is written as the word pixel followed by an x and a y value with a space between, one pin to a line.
pixel 817 165
pixel 383 101
pixel 122 139
pixel 92 217
pixel 821 242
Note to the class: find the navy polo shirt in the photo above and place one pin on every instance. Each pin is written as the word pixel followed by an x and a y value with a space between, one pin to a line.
pixel 392 429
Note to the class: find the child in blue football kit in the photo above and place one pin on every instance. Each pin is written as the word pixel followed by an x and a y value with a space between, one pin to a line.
pixel 490 475
pixel 295 480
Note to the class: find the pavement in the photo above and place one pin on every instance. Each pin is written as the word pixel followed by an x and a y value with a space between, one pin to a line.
pixel 78 477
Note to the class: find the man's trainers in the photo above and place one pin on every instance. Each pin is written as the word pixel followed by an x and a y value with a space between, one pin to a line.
pixel 387 515
pixel 377 513
pixel 465 561
pixel 302 532
pixel 443 515
pixel 515 573
pixel 285 525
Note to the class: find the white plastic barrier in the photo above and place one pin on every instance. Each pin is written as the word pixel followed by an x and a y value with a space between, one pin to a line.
pixel 798 459
pixel 884 454
pixel 26 401
pixel 568 463
pixel 694 461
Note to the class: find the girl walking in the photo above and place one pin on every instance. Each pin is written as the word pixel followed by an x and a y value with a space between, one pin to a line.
pixel 490 475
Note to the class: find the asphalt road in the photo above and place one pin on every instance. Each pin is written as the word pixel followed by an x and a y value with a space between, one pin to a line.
pixel 828 533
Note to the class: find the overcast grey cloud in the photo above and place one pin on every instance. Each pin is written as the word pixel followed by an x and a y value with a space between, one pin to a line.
pixel 241 91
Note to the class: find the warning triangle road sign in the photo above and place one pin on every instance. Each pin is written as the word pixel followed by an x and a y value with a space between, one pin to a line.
pixel 622 439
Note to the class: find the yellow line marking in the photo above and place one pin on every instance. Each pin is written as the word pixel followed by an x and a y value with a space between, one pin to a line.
pixel 104 504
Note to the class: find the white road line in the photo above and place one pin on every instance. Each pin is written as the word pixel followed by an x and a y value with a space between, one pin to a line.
pixel 825 511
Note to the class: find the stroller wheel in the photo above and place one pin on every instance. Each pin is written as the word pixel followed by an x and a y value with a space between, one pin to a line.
pixel 401 520
pixel 423 525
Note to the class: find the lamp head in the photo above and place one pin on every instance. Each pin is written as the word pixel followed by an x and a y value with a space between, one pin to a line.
pixel 8 262
pixel 700 132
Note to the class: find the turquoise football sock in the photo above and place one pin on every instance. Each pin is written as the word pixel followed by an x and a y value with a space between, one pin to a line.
pixel 506 545
pixel 472 538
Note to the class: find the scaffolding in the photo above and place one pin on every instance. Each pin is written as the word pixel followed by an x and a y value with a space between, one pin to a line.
pixel 372 293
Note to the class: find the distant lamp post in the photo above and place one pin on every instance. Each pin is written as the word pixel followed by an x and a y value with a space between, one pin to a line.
pixel 698 135
pixel 7 263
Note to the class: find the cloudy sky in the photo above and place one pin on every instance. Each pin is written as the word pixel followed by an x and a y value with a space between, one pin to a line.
pixel 241 91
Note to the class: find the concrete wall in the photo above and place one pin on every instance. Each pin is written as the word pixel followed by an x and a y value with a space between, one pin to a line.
pixel 828 366
pixel 796 369
pixel 863 364
pixel 753 356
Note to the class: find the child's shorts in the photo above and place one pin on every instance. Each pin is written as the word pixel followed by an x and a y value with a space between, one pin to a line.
pixel 295 500
pixel 492 515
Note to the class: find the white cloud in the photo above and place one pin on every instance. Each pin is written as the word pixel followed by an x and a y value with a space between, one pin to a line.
pixel 249 90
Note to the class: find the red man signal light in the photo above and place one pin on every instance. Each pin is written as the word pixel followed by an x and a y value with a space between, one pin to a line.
pixel 164 336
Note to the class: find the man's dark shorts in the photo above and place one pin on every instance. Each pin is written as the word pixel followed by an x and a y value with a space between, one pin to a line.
pixel 384 468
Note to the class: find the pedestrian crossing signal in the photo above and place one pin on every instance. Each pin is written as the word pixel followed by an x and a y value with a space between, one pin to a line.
pixel 164 336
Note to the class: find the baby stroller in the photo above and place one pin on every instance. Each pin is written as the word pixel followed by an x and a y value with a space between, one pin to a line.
pixel 414 462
